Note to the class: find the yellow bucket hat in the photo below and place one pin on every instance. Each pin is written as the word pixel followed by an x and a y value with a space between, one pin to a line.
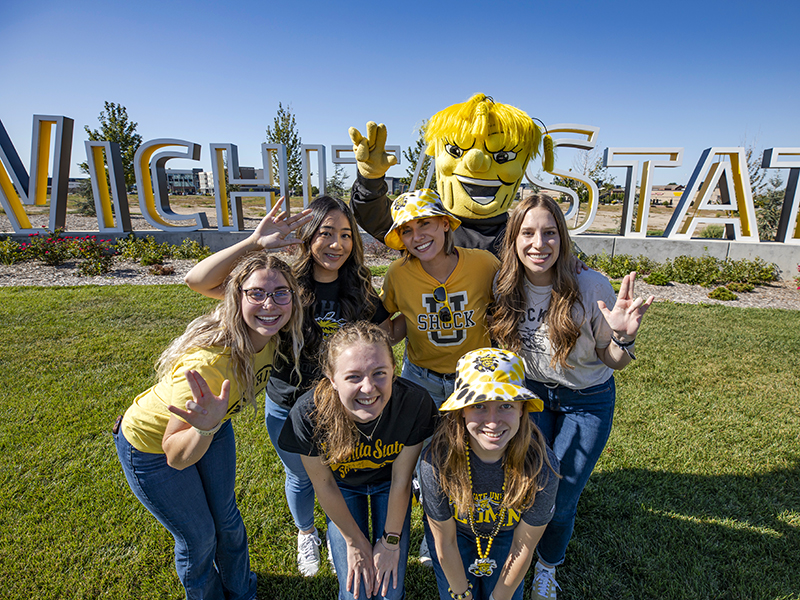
pixel 490 374
pixel 418 204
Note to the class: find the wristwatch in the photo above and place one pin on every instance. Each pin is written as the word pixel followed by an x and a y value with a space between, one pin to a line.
pixel 391 538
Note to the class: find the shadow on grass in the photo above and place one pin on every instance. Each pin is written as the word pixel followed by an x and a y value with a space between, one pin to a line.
pixel 647 534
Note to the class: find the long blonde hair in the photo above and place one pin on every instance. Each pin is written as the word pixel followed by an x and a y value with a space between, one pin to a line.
pixel 525 456
pixel 335 431
pixel 225 326
pixel 510 301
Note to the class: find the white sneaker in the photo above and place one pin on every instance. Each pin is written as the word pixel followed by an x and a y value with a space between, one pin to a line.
pixel 544 583
pixel 308 553
pixel 330 554
pixel 425 554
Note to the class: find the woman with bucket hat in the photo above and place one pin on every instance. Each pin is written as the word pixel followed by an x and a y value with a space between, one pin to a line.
pixel 489 481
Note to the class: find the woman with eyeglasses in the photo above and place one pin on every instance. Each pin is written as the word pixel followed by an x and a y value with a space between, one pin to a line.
pixel 336 288
pixel 573 333
pixel 176 442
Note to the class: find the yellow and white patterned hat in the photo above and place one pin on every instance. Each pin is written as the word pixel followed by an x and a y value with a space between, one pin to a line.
pixel 418 204
pixel 490 374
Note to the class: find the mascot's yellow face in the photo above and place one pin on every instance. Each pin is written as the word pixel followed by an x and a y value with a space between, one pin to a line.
pixel 481 151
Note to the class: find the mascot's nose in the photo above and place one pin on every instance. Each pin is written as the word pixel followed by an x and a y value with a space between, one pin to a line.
pixel 477 161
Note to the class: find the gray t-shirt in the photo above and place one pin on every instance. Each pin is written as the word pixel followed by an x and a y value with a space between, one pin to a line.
pixel 595 333
pixel 487 485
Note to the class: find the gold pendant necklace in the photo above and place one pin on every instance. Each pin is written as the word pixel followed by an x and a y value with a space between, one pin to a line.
pixel 483 566
pixel 369 437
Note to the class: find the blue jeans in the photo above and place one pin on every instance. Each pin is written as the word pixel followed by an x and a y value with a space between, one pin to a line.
pixel 364 502
pixel 576 425
pixel 438 387
pixel 297 485
pixel 482 587
pixel 198 507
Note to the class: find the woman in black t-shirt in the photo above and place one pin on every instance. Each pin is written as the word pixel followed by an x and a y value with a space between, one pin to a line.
pixel 360 433
pixel 489 481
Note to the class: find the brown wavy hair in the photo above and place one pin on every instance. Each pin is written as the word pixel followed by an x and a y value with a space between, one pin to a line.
pixel 510 300
pixel 335 431
pixel 225 326
pixel 523 461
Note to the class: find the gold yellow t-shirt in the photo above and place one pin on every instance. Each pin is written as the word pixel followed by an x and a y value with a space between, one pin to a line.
pixel 146 419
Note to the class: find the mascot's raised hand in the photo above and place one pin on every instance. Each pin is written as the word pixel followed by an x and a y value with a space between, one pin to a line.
pixel 371 157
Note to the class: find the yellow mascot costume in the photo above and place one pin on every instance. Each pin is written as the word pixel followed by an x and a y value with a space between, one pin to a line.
pixel 481 149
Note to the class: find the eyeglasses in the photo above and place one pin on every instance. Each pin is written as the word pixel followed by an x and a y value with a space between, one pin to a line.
pixel 259 296
pixel 440 295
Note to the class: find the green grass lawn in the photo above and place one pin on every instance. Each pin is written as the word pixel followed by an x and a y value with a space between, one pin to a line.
pixel 696 496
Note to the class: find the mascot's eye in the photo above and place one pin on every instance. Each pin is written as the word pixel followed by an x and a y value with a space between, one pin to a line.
pixel 504 156
pixel 454 150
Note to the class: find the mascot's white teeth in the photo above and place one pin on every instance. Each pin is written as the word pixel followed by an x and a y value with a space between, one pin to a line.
pixel 481 191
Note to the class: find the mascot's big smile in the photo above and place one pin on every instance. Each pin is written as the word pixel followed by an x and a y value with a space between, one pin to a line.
pixel 480 190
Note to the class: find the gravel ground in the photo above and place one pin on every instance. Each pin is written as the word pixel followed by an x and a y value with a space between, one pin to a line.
pixel 777 295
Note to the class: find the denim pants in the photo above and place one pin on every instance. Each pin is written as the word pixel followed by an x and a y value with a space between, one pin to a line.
pixel 482 587
pixel 297 485
pixel 198 507
pixel 438 387
pixel 364 502
pixel 576 425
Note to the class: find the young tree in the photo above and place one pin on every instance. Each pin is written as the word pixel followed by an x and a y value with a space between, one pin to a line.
pixel 336 185
pixel 758 176
pixel 413 154
pixel 114 127
pixel 768 206
pixel 284 131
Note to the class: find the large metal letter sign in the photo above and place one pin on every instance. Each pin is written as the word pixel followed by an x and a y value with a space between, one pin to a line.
pixel 610 159
pixel 103 197
pixel 268 153
pixel 789 223
pixel 591 140
pixel 151 181
pixel 732 177
pixel 305 156
pixel 17 188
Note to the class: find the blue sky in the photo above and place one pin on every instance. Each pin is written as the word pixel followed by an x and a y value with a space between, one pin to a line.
pixel 679 74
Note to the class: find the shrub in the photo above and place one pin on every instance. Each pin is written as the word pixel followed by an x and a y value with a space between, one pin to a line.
pixel 190 249
pixel 713 231
pixel 97 256
pixel 10 252
pixel 755 271
pixel 143 250
pixel 735 286
pixel 657 278
pixel 797 278
pixel 51 250
pixel 722 293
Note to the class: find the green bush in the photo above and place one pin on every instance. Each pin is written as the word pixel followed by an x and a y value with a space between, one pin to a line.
pixel 735 286
pixel 190 250
pixel 723 293
pixel 10 252
pixel 713 231
pixel 657 278
pixel 143 250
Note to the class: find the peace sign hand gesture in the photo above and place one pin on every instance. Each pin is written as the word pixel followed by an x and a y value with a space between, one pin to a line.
pixel 371 157
pixel 626 316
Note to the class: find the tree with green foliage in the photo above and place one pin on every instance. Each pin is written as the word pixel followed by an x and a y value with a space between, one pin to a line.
pixel 114 127
pixel 413 154
pixel 336 185
pixel 768 208
pixel 284 131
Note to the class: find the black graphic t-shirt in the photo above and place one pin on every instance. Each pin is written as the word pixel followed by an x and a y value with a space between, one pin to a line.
pixel 284 387
pixel 408 418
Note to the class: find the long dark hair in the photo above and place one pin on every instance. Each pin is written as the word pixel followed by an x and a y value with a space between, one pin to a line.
pixel 357 297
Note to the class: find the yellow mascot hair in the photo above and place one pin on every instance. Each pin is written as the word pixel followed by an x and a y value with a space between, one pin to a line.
pixel 480 115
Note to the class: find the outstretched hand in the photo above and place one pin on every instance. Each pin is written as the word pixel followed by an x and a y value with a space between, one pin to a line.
pixel 371 157
pixel 205 411
pixel 275 230
pixel 627 313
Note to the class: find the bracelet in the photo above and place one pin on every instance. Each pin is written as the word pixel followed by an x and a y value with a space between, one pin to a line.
pixel 625 346
pixel 463 596
pixel 208 432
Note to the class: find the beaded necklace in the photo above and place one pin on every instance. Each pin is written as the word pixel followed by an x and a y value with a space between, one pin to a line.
pixel 483 566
